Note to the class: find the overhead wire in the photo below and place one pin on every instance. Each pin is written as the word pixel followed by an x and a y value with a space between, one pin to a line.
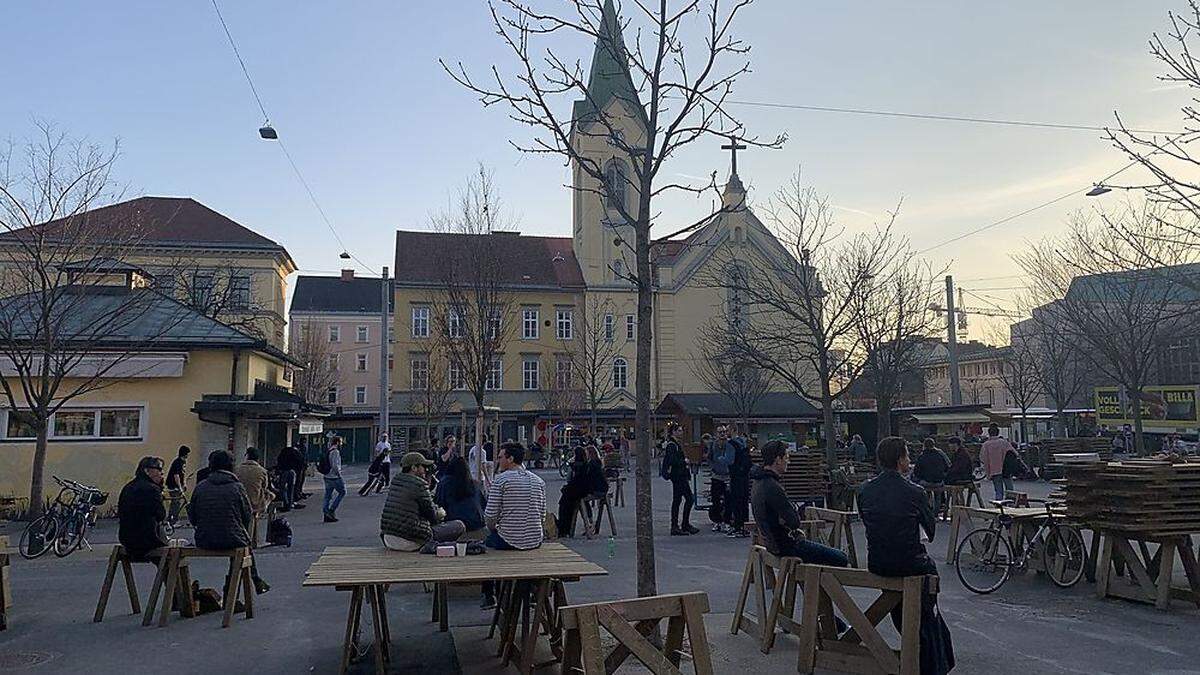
pixel 291 161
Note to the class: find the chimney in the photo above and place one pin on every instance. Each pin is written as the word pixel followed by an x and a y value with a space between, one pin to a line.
pixel 347 275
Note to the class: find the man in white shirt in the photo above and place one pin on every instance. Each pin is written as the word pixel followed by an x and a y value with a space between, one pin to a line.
pixel 384 449
pixel 516 504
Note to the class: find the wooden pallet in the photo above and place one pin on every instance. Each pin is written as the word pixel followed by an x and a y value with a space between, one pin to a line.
pixel 1151 498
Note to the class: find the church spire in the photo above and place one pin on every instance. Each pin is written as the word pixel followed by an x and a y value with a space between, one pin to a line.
pixel 609 77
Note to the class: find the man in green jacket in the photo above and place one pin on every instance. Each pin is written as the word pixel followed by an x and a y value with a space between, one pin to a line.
pixel 410 521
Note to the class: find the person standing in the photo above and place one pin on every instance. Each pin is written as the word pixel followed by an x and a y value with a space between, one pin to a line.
pixel 291 467
pixel 141 514
pixel 858 448
pixel 447 452
pixel 739 489
pixel 718 462
pixel 255 480
pixel 992 455
pixel 177 482
pixel 893 511
pixel 331 465
pixel 675 468
pixel 383 450
pixel 516 504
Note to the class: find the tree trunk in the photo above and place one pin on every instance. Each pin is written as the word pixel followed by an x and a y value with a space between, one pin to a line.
pixel 38 475
pixel 479 440
pixel 594 434
pixel 1139 443
pixel 883 418
pixel 1060 421
pixel 643 504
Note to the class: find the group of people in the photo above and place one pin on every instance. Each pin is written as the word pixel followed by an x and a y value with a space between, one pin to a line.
pixel 729 459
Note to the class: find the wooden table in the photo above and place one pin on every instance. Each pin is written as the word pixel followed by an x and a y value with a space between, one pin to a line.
pixel 968 515
pixel 367 572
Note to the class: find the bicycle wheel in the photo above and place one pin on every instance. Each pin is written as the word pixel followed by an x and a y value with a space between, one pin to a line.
pixel 983 560
pixel 38 537
pixel 564 468
pixel 70 535
pixel 1064 556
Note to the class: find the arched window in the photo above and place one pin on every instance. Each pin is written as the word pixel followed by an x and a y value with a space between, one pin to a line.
pixel 617 179
pixel 737 235
pixel 618 270
pixel 620 374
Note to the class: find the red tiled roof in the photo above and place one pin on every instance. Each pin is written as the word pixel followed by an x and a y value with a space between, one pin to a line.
pixel 170 220
pixel 422 257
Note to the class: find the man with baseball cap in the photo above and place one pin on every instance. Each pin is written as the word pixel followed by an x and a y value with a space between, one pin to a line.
pixel 410 521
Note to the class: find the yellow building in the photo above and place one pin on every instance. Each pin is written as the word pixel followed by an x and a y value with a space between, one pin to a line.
pixel 558 282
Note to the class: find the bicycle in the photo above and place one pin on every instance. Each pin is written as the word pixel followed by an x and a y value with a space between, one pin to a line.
pixel 984 559
pixel 176 502
pixel 58 528
pixel 78 516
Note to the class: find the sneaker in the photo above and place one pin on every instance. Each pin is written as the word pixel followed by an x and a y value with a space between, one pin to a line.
pixel 718 527
pixel 261 587
pixel 329 518
pixel 690 529
pixel 676 532
pixel 737 533
pixel 298 505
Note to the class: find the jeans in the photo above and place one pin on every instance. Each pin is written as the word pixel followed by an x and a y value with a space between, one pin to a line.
pixel 717 511
pixel 1000 484
pixel 495 541
pixel 681 491
pixel 739 501
pixel 287 487
pixel 813 553
pixel 333 485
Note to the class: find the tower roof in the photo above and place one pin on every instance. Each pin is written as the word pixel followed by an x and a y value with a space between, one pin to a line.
pixel 609 77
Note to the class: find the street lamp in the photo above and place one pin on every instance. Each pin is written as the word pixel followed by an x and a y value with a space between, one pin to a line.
pixel 267 132
pixel 1098 189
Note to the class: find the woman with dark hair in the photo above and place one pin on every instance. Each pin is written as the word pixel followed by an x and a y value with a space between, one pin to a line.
pixel 460 497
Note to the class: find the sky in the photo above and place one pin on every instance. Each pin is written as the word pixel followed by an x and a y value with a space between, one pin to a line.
pixel 384 137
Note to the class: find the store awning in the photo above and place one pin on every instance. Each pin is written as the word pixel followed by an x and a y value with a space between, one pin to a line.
pixel 951 418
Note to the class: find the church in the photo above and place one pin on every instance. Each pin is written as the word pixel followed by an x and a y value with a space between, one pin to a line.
pixel 564 287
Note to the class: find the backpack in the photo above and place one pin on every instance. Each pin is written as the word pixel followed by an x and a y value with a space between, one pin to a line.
pixel 1014 466
pixel 323 464
pixel 279 532
pixel 664 468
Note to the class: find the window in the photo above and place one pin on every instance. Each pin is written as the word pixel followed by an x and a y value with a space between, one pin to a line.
pixel 362 334
pixel 610 323
pixel 80 423
pixel 630 326
pixel 620 374
pixel 391 362
pixel 333 362
pixel 202 285
pixel 239 291
pixel 493 324
pixel 457 379
pixel 562 373
pixel 420 322
pixel 360 395
pixel 529 375
pixel 331 395
pixel 529 324
pixel 495 377
pixel 454 323
pixel 618 269
pixel 419 374
pixel 361 363
pixel 335 333
pixel 616 178
pixel 564 328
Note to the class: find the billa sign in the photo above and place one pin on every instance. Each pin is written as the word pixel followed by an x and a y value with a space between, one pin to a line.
pixel 1162 406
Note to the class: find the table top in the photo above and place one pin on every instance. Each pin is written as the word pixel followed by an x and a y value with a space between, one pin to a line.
pixel 1017 513
pixel 363 565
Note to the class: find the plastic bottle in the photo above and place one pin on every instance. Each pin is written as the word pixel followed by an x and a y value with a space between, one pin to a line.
pixel 612 547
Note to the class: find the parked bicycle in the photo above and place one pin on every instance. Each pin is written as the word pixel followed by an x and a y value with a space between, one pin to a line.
pixel 986 557
pixel 64 526
pixel 176 502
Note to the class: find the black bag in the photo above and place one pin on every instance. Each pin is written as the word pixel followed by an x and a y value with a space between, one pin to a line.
pixel 1014 466
pixel 323 465
pixel 664 468
pixel 279 532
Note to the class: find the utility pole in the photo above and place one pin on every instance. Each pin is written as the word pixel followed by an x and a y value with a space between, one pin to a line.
pixel 952 343
pixel 385 394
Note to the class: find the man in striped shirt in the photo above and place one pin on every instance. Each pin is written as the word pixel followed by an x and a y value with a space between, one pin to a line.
pixel 516 503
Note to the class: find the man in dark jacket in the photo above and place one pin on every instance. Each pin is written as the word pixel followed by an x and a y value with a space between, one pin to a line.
pixel 141 513
pixel 291 466
pixel 893 511
pixel 778 520
pixel 675 467
pixel 220 511
pixel 410 521
pixel 962 467
pixel 739 488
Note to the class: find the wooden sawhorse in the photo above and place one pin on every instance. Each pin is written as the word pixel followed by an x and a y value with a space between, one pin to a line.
pixel 631 622
pixel 174 582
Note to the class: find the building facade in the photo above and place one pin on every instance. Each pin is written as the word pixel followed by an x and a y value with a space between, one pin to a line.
pixel 980 376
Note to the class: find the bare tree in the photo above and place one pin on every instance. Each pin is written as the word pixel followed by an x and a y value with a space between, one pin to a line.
pixel 220 292
pixel 593 350
pixel 673 83
pixel 473 313
pixel 797 318
pixel 560 395
pixel 1113 299
pixel 719 366
pixel 1063 373
pixel 893 321
pixel 431 396
pixel 312 383
pixel 63 332
pixel 1019 374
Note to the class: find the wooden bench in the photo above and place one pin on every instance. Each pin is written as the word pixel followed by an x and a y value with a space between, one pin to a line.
pixel 1019 499
pixel 840 532
pixel 121 558
pixel 600 505
pixel 5 583
pixel 764 571
pixel 961 494
pixel 631 622
pixel 616 489
pixel 175 583
pixel 861 649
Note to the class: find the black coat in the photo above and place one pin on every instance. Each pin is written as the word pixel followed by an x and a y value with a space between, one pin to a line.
pixel 290 458
pixel 220 511
pixel 677 468
pixel 774 513
pixel 740 469
pixel 932 466
pixel 962 467
pixel 893 511
pixel 141 513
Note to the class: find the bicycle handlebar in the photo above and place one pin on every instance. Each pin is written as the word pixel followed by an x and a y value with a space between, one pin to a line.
pixel 74 485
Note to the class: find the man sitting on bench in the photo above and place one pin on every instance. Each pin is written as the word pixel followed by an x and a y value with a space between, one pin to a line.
pixel 893 512
pixel 221 513
pixel 141 513
pixel 778 520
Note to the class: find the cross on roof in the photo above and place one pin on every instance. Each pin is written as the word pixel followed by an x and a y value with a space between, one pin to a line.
pixel 733 146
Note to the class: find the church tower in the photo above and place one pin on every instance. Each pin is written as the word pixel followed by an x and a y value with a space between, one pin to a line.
pixel 603 240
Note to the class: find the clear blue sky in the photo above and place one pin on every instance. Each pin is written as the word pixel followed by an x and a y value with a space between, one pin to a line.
pixel 384 136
